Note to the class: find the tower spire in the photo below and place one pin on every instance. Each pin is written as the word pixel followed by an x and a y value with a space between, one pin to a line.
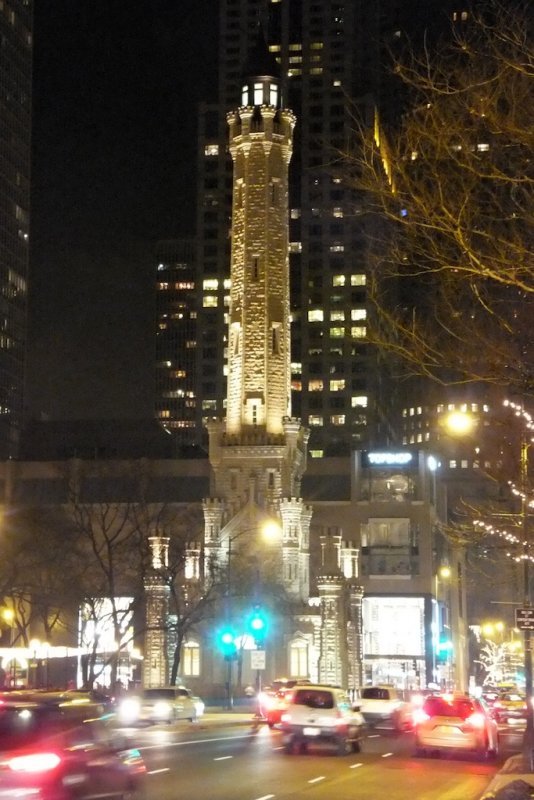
pixel 259 337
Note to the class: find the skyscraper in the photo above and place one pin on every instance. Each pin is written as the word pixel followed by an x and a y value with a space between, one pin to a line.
pixel 331 57
pixel 15 138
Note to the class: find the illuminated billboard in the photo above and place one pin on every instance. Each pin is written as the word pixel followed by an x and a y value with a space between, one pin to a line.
pixel 393 626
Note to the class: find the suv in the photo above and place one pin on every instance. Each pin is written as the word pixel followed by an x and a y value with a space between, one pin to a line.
pixel 318 713
pixel 53 748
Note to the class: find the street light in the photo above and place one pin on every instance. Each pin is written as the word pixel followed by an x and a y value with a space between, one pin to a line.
pixel 442 575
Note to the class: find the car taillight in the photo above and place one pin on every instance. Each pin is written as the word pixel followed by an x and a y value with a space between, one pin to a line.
pixel 476 720
pixel 419 716
pixel 34 762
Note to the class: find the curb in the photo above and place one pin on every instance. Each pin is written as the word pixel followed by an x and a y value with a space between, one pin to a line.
pixel 511 772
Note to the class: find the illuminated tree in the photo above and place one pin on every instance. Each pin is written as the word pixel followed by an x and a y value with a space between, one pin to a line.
pixel 449 194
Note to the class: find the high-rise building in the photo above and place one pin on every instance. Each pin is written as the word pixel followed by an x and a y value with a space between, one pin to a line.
pixel 176 338
pixel 15 139
pixel 332 62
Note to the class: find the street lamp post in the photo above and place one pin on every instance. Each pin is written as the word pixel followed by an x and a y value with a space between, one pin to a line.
pixel 528 739
pixel 271 531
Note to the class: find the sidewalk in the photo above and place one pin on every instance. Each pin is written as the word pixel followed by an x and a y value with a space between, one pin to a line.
pixel 511 782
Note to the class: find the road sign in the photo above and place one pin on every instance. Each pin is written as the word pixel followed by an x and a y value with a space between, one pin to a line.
pixel 524 619
pixel 257 659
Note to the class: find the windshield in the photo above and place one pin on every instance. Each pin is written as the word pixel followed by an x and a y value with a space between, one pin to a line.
pixel 374 693
pixel 159 694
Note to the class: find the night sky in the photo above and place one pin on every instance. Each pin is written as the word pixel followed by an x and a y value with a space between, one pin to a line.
pixel 116 91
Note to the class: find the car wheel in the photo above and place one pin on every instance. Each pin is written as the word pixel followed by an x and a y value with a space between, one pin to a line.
pixel 303 748
pixel 288 747
pixel 355 746
pixel 133 794
pixel 344 746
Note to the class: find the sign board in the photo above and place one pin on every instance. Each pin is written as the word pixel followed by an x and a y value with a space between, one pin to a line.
pixel 257 659
pixel 524 619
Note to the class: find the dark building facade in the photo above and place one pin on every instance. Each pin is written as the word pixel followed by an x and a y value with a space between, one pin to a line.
pixel 15 139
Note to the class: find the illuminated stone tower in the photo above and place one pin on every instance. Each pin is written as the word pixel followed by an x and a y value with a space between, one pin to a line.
pixel 157 591
pixel 258 455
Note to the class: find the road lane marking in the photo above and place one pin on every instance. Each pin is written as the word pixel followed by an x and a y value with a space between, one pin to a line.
pixel 157 771
pixel 266 797
pixel 161 745
pixel 374 736
pixel 386 755
pixel 355 766
pixel 317 780
pixel 222 758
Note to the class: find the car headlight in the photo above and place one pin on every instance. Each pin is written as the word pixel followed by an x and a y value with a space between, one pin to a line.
pixel 128 710
pixel 162 709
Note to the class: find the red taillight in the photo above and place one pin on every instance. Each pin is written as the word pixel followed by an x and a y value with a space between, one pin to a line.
pixel 476 720
pixel 34 762
pixel 419 716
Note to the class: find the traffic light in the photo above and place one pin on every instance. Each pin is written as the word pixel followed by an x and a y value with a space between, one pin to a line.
pixel 226 642
pixel 257 625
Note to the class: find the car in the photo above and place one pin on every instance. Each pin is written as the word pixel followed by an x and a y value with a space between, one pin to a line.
pixel 158 705
pixel 384 706
pixel 273 699
pixel 510 708
pixel 321 713
pixel 57 749
pixel 455 722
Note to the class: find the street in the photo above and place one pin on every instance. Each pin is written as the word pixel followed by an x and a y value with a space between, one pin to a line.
pixel 242 761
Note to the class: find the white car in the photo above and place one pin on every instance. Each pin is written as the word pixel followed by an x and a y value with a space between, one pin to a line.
pixel 455 722
pixel 317 713
pixel 165 704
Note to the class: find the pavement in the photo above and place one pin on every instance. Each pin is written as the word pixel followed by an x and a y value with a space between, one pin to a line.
pixel 512 782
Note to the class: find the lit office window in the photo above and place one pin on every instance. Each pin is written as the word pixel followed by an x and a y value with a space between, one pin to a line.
pixel 358 332
pixel 338 280
pixel 315 385
pixel 316 453
pixel 210 284
pixel 337 316
pixel 358 313
pixel 338 419
pixel 316 315
pixel 337 385
pixel 336 333
pixel 315 421
pixel 211 150
pixel 358 280
pixel 360 400
pixel 258 94
pixel 209 301
pixel 273 94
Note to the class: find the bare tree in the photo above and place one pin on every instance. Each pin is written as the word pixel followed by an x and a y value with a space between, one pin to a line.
pixel 450 193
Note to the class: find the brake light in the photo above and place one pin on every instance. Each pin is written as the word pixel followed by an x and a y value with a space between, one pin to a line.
pixel 476 720
pixel 419 716
pixel 34 762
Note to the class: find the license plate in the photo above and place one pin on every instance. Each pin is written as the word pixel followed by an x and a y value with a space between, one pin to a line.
pixel 311 731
